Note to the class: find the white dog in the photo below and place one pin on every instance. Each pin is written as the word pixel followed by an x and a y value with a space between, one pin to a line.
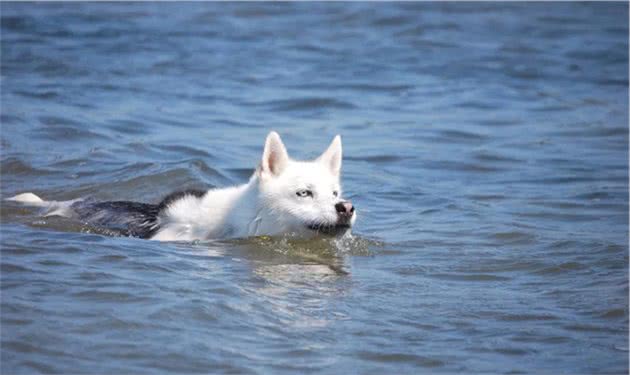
pixel 283 196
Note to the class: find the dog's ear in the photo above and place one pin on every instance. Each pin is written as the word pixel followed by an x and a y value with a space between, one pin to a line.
pixel 332 156
pixel 275 156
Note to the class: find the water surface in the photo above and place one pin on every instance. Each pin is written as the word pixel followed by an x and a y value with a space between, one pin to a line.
pixel 486 150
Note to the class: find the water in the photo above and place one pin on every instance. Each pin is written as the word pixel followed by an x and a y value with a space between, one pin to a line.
pixel 486 150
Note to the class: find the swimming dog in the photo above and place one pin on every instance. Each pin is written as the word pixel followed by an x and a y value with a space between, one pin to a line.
pixel 282 197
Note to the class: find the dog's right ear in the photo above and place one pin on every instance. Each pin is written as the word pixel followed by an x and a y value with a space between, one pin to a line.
pixel 275 156
pixel 332 156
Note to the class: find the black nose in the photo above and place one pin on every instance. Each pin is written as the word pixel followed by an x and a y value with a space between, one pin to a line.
pixel 344 208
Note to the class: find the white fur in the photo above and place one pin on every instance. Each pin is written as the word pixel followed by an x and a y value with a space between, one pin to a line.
pixel 51 208
pixel 266 205
pixel 28 198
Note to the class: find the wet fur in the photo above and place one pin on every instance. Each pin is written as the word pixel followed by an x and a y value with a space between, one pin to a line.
pixel 270 203
pixel 127 218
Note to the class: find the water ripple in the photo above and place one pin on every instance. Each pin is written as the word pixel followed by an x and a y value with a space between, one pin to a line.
pixel 485 148
pixel 305 104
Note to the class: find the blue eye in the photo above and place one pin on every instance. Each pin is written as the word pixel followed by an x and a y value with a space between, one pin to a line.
pixel 304 193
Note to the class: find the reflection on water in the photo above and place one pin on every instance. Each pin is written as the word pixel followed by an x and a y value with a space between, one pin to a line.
pixel 298 293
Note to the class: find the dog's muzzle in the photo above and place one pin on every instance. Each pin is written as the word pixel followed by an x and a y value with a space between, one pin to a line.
pixel 345 212
pixel 333 229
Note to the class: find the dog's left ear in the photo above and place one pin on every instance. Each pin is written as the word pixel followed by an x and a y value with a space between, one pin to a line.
pixel 275 156
pixel 332 156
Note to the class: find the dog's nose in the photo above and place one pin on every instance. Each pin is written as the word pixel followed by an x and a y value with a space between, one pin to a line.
pixel 344 208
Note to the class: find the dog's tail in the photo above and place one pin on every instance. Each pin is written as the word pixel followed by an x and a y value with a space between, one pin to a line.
pixel 49 208
pixel 28 199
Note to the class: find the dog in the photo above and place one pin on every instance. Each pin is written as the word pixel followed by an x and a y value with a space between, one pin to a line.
pixel 282 197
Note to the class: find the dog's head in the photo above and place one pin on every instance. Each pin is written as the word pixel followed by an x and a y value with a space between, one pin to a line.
pixel 302 197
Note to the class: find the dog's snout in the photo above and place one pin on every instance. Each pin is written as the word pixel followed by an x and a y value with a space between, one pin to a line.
pixel 344 208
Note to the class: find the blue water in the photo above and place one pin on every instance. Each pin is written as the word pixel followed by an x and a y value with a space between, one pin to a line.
pixel 485 148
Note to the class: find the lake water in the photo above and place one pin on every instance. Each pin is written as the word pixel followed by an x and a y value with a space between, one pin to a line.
pixel 486 151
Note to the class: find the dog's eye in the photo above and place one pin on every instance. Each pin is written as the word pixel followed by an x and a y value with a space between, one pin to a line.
pixel 304 193
pixel 335 193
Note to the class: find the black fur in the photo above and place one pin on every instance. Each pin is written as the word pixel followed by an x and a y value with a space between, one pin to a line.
pixel 131 219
